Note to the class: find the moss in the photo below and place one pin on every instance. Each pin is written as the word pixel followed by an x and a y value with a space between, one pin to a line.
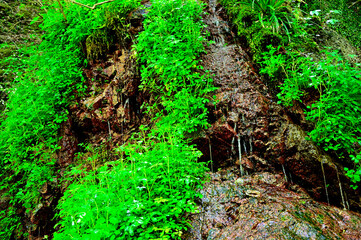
pixel 349 24
pixel 99 43
pixel 6 51
pixel 16 32
pixel 249 28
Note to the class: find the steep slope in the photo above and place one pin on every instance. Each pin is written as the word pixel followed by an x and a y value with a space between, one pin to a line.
pixel 267 171
pixel 125 164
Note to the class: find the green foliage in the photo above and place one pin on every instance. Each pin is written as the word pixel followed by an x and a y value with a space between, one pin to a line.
pixel 145 194
pixel 169 47
pixel 337 112
pixel 16 33
pixel 169 44
pixel 141 197
pixel 292 68
pixel 262 23
pixel 274 14
pixel 36 106
pixel 348 17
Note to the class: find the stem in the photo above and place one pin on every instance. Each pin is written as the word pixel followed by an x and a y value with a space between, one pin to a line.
pixel 62 10
pixel 94 6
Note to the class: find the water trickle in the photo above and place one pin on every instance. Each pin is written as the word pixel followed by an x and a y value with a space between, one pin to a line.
pixel 126 103
pixel 232 144
pixel 240 156
pixel 250 144
pixel 284 172
pixel 341 191
pixel 245 147
pixel 210 155
pixel 324 180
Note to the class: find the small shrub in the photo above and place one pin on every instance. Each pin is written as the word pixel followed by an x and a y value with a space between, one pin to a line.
pixel 37 103
pixel 145 194
pixel 337 112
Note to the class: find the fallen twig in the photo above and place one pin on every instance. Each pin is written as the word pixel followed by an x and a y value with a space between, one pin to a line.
pixel 94 6
pixel 354 3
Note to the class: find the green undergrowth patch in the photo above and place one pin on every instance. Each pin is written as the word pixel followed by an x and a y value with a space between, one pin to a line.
pixel 142 196
pixel 147 191
pixel 16 32
pixel 268 22
pixel 282 36
pixel 37 103
pixel 337 112
pixel 348 20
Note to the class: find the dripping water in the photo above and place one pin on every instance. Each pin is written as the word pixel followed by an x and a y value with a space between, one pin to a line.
pixel 245 147
pixel 284 172
pixel 110 133
pixel 210 154
pixel 126 103
pixel 219 39
pixel 240 156
pixel 340 185
pixel 324 180
pixel 250 144
pixel 232 144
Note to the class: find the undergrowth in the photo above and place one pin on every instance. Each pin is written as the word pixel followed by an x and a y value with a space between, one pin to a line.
pixel 37 104
pixel 145 194
pixel 15 34
pixel 337 112
pixel 349 25
pixel 284 56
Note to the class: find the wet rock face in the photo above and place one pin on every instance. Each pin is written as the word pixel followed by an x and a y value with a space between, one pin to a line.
pixel 110 111
pixel 107 115
pixel 68 144
pixel 250 128
pixel 111 107
pixel 260 207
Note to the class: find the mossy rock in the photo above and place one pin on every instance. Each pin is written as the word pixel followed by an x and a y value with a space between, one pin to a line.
pixel 249 27
pixel 349 25
pixel 98 44
pixel 336 41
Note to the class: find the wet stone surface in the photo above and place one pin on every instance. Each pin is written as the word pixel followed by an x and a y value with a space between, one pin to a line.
pixel 259 206
pixel 250 129
pixel 286 172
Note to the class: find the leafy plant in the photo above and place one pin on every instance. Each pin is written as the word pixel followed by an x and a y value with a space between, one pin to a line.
pixel 145 194
pixel 326 19
pixel 141 197
pixel 267 22
pixel 347 16
pixel 275 14
pixel 336 114
pixel 37 103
